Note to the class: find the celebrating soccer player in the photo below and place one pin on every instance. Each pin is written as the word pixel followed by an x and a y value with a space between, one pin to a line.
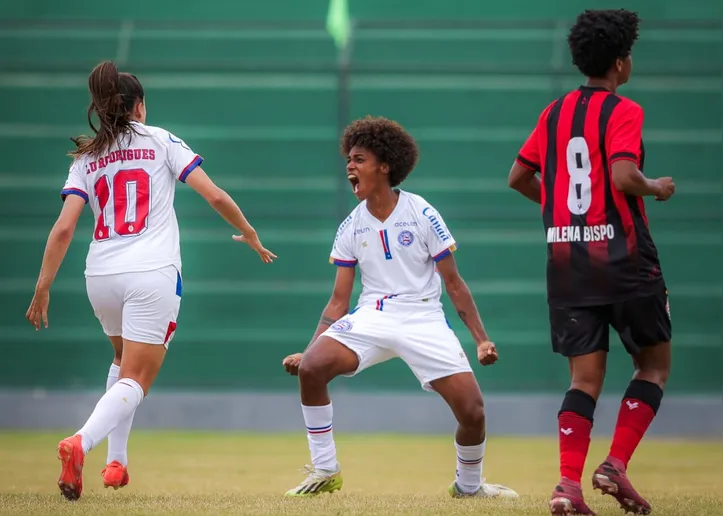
pixel 396 239
pixel 133 268
pixel 603 268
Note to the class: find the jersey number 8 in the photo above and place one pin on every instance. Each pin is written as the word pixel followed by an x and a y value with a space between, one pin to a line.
pixel 130 196
pixel 579 195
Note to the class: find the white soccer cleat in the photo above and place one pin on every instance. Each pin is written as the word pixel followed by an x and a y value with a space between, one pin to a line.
pixel 485 491
pixel 317 482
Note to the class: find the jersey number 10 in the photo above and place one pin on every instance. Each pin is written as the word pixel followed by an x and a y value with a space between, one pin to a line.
pixel 130 198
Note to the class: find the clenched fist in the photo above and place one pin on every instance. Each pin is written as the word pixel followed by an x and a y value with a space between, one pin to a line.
pixel 291 364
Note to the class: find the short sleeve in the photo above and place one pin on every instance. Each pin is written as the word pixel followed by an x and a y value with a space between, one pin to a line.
pixel 625 133
pixel 75 184
pixel 529 155
pixel 439 239
pixel 181 159
pixel 342 252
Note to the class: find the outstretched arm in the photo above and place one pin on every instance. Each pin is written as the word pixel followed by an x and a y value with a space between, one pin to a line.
pixel 225 206
pixel 336 308
pixel 463 302
pixel 55 250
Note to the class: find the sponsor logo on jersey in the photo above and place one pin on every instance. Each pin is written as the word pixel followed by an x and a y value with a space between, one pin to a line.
pixel 406 238
pixel 439 229
pixel 411 223
pixel 362 231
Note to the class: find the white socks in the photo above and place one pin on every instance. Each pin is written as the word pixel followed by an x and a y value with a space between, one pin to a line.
pixel 320 436
pixel 469 466
pixel 113 373
pixel 118 438
pixel 117 404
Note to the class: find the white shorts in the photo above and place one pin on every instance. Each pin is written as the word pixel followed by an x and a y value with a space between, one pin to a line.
pixel 424 340
pixel 139 306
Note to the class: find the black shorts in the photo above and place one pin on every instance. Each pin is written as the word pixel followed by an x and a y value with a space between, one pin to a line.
pixel 640 322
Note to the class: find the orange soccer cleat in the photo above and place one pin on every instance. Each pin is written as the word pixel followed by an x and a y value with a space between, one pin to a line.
pixel 115 475
pixel 70 453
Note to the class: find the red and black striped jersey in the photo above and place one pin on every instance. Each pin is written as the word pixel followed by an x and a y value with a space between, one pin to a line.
pixel 599 246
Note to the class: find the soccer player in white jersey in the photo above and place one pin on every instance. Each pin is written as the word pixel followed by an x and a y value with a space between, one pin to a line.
pixel 127 173
pixel 401 246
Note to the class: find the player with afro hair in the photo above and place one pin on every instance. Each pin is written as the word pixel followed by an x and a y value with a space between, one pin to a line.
pixel 394 149
pixel 601 43
pixel 404 252
pixel 587 147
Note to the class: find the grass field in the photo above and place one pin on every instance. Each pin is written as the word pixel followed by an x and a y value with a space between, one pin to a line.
pixel 178 473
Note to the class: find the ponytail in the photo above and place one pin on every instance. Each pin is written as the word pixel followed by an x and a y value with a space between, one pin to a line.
pixel 113 98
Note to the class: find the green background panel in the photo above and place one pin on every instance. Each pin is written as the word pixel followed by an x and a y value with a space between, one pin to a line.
pixel 269 134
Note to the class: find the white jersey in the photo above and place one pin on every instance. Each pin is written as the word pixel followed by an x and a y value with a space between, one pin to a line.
pixel 131 189
pixel 396 257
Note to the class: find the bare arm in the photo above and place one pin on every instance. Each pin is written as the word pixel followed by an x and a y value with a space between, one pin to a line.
pixel 219 200
pixel 628 179
pixel 461 297
pixel 463 302
pixel 525 181
pixel 338 305
pixel 336 308
pixel 229 210
pixel 59 240
pixel 55 249
pixel 624 148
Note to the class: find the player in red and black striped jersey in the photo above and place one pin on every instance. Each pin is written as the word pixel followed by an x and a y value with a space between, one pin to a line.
pixel 603 268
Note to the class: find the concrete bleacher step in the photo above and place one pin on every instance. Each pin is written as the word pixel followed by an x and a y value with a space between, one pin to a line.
pixel 199 359
pixel 248 102
pixel 485 202
pixel 658 51
pixel 239 302
pixel 487 251
pixel 318 165
pixel 252 100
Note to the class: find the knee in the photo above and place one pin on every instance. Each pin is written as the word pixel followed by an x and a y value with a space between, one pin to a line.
pixel 657 376
pixel 472 415
pixel 653 364
pixel 590 382
pixel 656 373
pixel 312 371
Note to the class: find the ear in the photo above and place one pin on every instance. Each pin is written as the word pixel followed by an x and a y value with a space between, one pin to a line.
pixel 384 168
pixel 619 65
pixel 138 109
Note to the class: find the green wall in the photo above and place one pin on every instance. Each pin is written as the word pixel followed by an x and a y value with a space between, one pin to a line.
pixel 270 138
pixel 311 10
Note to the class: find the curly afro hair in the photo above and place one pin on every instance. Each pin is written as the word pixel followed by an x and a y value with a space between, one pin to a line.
pixel 600 37
pixel 387 140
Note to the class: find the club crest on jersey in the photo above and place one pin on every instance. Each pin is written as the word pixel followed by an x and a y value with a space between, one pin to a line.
pixel 342 325
pixel 405 238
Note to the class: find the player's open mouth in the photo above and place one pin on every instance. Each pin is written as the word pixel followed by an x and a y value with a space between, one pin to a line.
pixel 354 182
